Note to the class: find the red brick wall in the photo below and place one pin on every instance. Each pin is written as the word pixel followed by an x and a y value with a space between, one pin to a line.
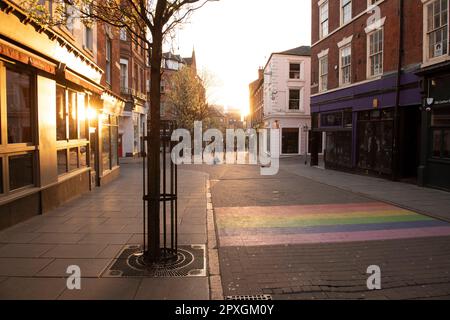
pixel 389 9
pixel 115 57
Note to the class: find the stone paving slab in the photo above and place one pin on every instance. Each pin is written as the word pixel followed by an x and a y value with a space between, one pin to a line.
pixel 103 289
pixel 90 232
pixel 91 268
pixel 174 289
pixel 32 288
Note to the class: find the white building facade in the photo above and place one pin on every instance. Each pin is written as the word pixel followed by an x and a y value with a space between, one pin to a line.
pixel 287 92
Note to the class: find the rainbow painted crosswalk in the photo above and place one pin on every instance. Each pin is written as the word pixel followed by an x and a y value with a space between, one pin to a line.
pixel 258 226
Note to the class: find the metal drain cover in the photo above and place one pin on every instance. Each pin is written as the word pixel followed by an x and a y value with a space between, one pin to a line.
pixel 259 297
pixel 190 262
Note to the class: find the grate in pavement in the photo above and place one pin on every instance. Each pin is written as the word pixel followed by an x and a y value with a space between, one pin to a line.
pixel 190 262
pixel 258 297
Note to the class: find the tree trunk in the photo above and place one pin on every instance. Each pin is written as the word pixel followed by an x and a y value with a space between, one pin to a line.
pixel 154 162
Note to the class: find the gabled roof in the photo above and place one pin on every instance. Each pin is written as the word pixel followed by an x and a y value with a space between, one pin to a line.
pixel 303 51
pixel 299 51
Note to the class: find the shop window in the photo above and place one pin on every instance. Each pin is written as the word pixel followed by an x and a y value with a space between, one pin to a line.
pixel 446 144
pixel 333 119
pixel 348 119
pixel 17 152
pixel 106 148
pixel 18 104
pixel 61 128
pixel 73 159
pixel 338 153
pixel 83 157
pixel 1 175
pixel 441 117
pixel 73 115
pixel 71 128
pixel 441 143
pixel 62 161
pixel 114 146
pixel 82 115
pixel 375 138
pixel 21 171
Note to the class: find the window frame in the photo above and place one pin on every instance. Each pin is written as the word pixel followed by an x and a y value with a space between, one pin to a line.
pixel 342 66
pixel 108 60
pixel 67 144
pixel 324 21
pixel 299 100
pixel 343 5
pixel 426 34
pixel 370 55
pixel 322 74
pixel 8 150
pixel 295 72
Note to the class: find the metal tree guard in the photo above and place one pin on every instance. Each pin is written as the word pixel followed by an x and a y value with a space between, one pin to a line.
pixel 168 198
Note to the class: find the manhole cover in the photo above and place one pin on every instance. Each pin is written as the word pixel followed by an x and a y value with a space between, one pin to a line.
pixel 189 262
pixel 259 297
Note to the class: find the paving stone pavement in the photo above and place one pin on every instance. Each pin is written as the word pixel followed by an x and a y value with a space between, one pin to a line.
pixel 90 232
pixel 296 237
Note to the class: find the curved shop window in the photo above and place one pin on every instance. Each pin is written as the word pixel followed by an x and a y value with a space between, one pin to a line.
pixel 18 125
pixel 71 130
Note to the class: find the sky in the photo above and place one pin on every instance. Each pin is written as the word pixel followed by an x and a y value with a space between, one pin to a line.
pixel 233 38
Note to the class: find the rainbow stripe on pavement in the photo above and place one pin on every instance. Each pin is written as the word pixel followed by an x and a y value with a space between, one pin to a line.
pixel 330 223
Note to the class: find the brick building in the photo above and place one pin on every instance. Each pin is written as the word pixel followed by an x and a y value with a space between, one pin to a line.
pixel 57 128
pixel 171 64
pixel 256 112
pixel 366 95
pixel 134 88
pixel 434 169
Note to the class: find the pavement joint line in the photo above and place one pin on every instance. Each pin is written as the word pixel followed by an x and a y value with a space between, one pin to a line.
pixel 215 290
pixel 374 198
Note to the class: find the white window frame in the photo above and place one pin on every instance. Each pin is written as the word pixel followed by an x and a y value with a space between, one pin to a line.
pixel 321 74
pixel 369 55
pixel 427 60
pixel 300 99
pixel 124 62
pixel 370 4
pixel 342 66
pixel 300 71
pixel 322 4
pixel 342 16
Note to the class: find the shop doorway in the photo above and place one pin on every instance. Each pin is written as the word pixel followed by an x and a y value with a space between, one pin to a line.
pixel 409 143
pixel 290 140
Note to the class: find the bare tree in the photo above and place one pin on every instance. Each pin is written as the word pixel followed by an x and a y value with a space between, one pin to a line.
pixel 187 98
pixel 148 22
